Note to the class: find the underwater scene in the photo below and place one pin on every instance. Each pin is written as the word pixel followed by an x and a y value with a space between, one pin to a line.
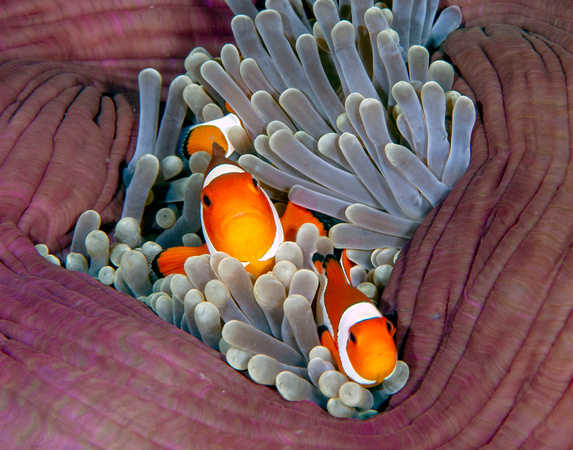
pixel 316 149
pixel 320 223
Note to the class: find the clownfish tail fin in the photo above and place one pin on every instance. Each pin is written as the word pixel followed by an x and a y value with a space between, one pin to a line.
pixel 172 260
pixel 296 216
pixel 155 265
pixel 334 271
pixel 183 142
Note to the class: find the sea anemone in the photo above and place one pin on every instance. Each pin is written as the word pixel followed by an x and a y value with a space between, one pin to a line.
pixel 323 120
pixel 482 288
pixel 342 161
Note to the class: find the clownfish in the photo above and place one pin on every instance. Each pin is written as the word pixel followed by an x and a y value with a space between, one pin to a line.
pixel 200 137
pixel 358 336
pixel 239 219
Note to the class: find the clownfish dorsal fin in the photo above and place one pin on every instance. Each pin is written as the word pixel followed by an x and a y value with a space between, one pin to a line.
pixel 218 158
pixel 217 150
pixel 317 259
pixel 334 271
pixel 296 216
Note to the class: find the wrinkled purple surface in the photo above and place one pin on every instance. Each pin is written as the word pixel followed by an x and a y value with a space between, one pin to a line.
pixel 483 291
pixel 61 148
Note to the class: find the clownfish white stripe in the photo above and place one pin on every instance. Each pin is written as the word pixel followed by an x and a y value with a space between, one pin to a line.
pixel 208 242
pixel 324 317
pixel 353 314
pixel 221 169
pixel 224 124
pixel 395 367
pixel 279 234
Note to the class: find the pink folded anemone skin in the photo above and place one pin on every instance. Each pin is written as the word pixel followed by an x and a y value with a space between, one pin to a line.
pixel 483 291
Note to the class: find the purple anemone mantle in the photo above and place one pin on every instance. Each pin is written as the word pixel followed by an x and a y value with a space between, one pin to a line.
pixel 483 291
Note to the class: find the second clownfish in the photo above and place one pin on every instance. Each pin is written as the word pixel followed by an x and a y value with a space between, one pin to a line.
pixel 238 218
pixel 200 137
pixel 358 336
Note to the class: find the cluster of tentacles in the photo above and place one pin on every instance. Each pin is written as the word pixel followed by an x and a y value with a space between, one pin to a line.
pixel 334 139
pixel 483 288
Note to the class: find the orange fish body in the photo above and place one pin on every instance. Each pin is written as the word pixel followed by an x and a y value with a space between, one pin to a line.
pixel 358 336
pixel 239 219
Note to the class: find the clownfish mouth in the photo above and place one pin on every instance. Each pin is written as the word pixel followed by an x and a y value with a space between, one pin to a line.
pixel 380 355
pixel 382 361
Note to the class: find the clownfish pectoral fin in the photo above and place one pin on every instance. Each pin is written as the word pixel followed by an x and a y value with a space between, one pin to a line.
pixel 172 260
pixel 296 216
pixel 326 340
pixel 334 271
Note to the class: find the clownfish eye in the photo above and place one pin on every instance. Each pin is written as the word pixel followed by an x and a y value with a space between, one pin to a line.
pixel 389 326
pixel 206 200
pixel 352 337
pixel 255 182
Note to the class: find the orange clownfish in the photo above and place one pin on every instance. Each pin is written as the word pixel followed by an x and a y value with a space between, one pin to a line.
pixel 238 218
pixel 357 335
pixel 200 137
